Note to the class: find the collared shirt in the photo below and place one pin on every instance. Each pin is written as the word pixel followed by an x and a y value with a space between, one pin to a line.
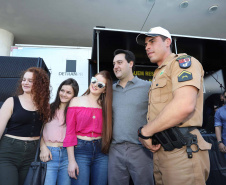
pixel 220 120
pixel 165 82
pixel 130 106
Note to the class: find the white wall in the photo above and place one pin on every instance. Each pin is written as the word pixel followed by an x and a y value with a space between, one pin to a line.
pixel 6 41
pixel 55 59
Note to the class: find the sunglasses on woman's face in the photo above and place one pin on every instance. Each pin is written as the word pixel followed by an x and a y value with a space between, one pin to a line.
pixel 99 84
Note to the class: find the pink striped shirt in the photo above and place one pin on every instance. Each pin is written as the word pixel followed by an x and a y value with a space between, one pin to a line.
pixel 80 121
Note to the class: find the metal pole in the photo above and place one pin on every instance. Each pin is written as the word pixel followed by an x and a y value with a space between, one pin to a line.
pixel 98 50
pixel 175 44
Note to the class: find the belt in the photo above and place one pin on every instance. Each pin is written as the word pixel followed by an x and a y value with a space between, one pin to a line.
pixel 185 130
pixel 177 137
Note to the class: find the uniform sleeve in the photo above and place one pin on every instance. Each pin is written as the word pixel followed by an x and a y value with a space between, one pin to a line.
pixel 217 119
pixel 195 70
pixel 70 137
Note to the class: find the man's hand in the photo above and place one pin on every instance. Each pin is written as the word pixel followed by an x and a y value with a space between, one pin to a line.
pixel 222 147
pixel 148 144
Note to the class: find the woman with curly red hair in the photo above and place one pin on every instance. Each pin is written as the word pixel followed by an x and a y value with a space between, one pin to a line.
pixel 23 116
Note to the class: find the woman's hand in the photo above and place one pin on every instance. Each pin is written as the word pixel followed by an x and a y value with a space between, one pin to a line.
pixel 45 154
pixel 73 169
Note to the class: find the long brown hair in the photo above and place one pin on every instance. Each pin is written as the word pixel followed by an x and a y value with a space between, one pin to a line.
pixel 40 91
pixel 105 101
pixel 56 104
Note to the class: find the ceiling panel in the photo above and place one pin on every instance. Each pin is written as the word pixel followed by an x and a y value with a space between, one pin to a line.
pixel 71 22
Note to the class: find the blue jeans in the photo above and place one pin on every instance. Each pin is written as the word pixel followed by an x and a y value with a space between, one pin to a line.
pixel 57 167
pixel 92 163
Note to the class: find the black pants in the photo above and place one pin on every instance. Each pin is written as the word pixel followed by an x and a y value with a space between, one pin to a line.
pixel 15 159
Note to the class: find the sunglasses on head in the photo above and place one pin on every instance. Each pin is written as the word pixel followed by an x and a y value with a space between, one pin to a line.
pixel 99 84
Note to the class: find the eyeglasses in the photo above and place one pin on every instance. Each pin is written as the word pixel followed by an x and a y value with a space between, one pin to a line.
pixel 99 84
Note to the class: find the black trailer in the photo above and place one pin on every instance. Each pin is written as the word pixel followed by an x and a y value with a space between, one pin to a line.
pixel 211 52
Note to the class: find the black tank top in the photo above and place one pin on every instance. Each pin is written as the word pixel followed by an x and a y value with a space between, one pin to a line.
pixel 23 123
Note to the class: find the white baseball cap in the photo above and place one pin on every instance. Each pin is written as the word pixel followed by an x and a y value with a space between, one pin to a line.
pixel 153 32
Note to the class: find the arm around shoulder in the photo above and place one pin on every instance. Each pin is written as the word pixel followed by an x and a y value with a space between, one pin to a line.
pixel 5 114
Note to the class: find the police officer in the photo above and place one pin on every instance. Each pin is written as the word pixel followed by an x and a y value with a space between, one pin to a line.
pixel 175 100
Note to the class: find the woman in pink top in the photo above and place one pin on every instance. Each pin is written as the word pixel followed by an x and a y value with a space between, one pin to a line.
pixel 52 150
pixel 89 132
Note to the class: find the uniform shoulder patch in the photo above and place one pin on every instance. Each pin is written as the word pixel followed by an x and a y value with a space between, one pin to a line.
pixel 184 76
pixel 184 61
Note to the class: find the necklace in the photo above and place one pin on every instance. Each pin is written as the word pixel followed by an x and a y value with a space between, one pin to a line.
pixel 94 112
pixel 93 109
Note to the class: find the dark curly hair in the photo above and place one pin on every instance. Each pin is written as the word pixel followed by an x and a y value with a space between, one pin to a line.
pixel 40 91
pixel 56 104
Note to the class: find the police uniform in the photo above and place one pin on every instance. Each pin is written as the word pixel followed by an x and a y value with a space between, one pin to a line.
pixel 174 167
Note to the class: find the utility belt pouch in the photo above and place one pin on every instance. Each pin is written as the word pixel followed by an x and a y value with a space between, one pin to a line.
pixel 162 138
pixel 177 137
pixel 171 138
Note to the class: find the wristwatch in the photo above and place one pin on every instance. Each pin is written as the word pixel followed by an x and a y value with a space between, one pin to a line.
pixel 219 142
pixel 141 136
